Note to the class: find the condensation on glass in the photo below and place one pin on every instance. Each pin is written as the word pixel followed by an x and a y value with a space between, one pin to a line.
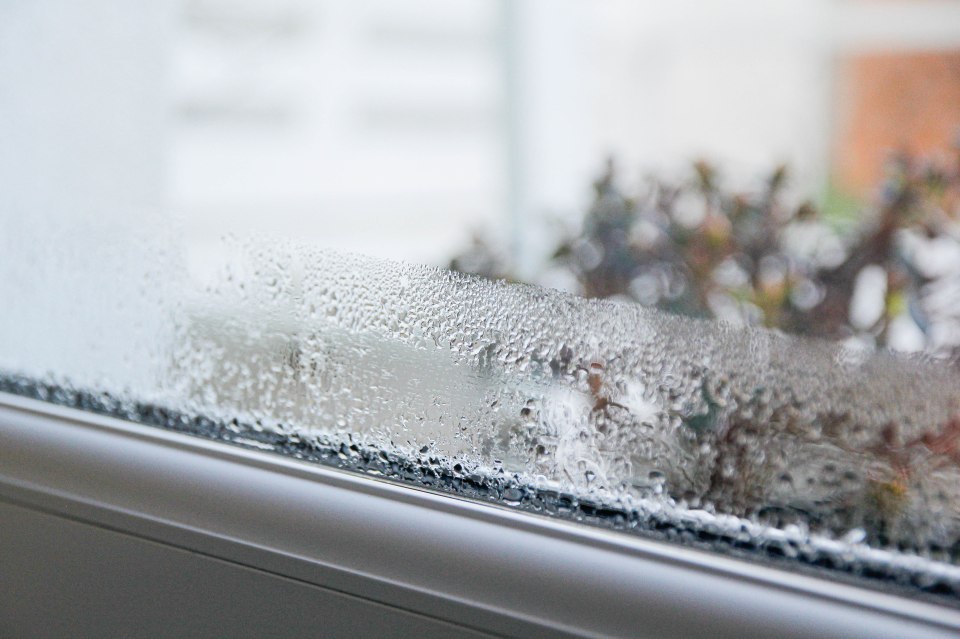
pixel 608 413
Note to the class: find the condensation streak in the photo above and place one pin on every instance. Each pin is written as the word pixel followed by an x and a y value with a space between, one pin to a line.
pixel 741 431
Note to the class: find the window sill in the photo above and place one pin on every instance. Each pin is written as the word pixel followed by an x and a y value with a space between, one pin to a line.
pixel 472 564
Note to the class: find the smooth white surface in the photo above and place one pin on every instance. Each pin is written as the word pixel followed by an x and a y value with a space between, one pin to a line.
pixel 102 583
pixel 477 565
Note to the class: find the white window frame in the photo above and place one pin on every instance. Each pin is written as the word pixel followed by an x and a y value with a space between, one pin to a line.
pixel 476 565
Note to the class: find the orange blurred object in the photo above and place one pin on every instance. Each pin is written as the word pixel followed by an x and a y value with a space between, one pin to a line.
pixel 893 102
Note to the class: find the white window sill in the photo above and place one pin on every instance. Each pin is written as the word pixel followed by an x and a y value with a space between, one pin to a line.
pixel 454 561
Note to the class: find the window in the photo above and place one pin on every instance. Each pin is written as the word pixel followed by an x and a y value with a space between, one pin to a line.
pixel 169 201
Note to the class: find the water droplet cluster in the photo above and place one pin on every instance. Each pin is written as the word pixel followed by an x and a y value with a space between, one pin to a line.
pixel 590 409
pixel 597 396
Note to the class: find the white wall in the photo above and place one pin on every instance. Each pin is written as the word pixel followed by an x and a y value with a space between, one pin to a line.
pixel 396 128
pixel 366 126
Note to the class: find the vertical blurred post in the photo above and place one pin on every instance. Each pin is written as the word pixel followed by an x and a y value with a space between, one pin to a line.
pixel 82 133
pixel 513 125
pixel 546 114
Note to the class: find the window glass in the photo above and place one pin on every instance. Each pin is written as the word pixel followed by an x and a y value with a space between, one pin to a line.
pixel 233 220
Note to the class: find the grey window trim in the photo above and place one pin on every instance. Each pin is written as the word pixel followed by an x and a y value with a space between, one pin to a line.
pixel 475 564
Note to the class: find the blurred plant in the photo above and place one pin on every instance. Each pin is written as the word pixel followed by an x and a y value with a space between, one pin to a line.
pixel 696 248
pixel 699 249
pixel 480 258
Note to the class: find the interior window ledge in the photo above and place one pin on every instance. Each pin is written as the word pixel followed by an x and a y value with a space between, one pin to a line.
pixel 474 564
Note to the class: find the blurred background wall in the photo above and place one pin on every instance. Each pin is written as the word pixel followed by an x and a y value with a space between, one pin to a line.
pixel 399 128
